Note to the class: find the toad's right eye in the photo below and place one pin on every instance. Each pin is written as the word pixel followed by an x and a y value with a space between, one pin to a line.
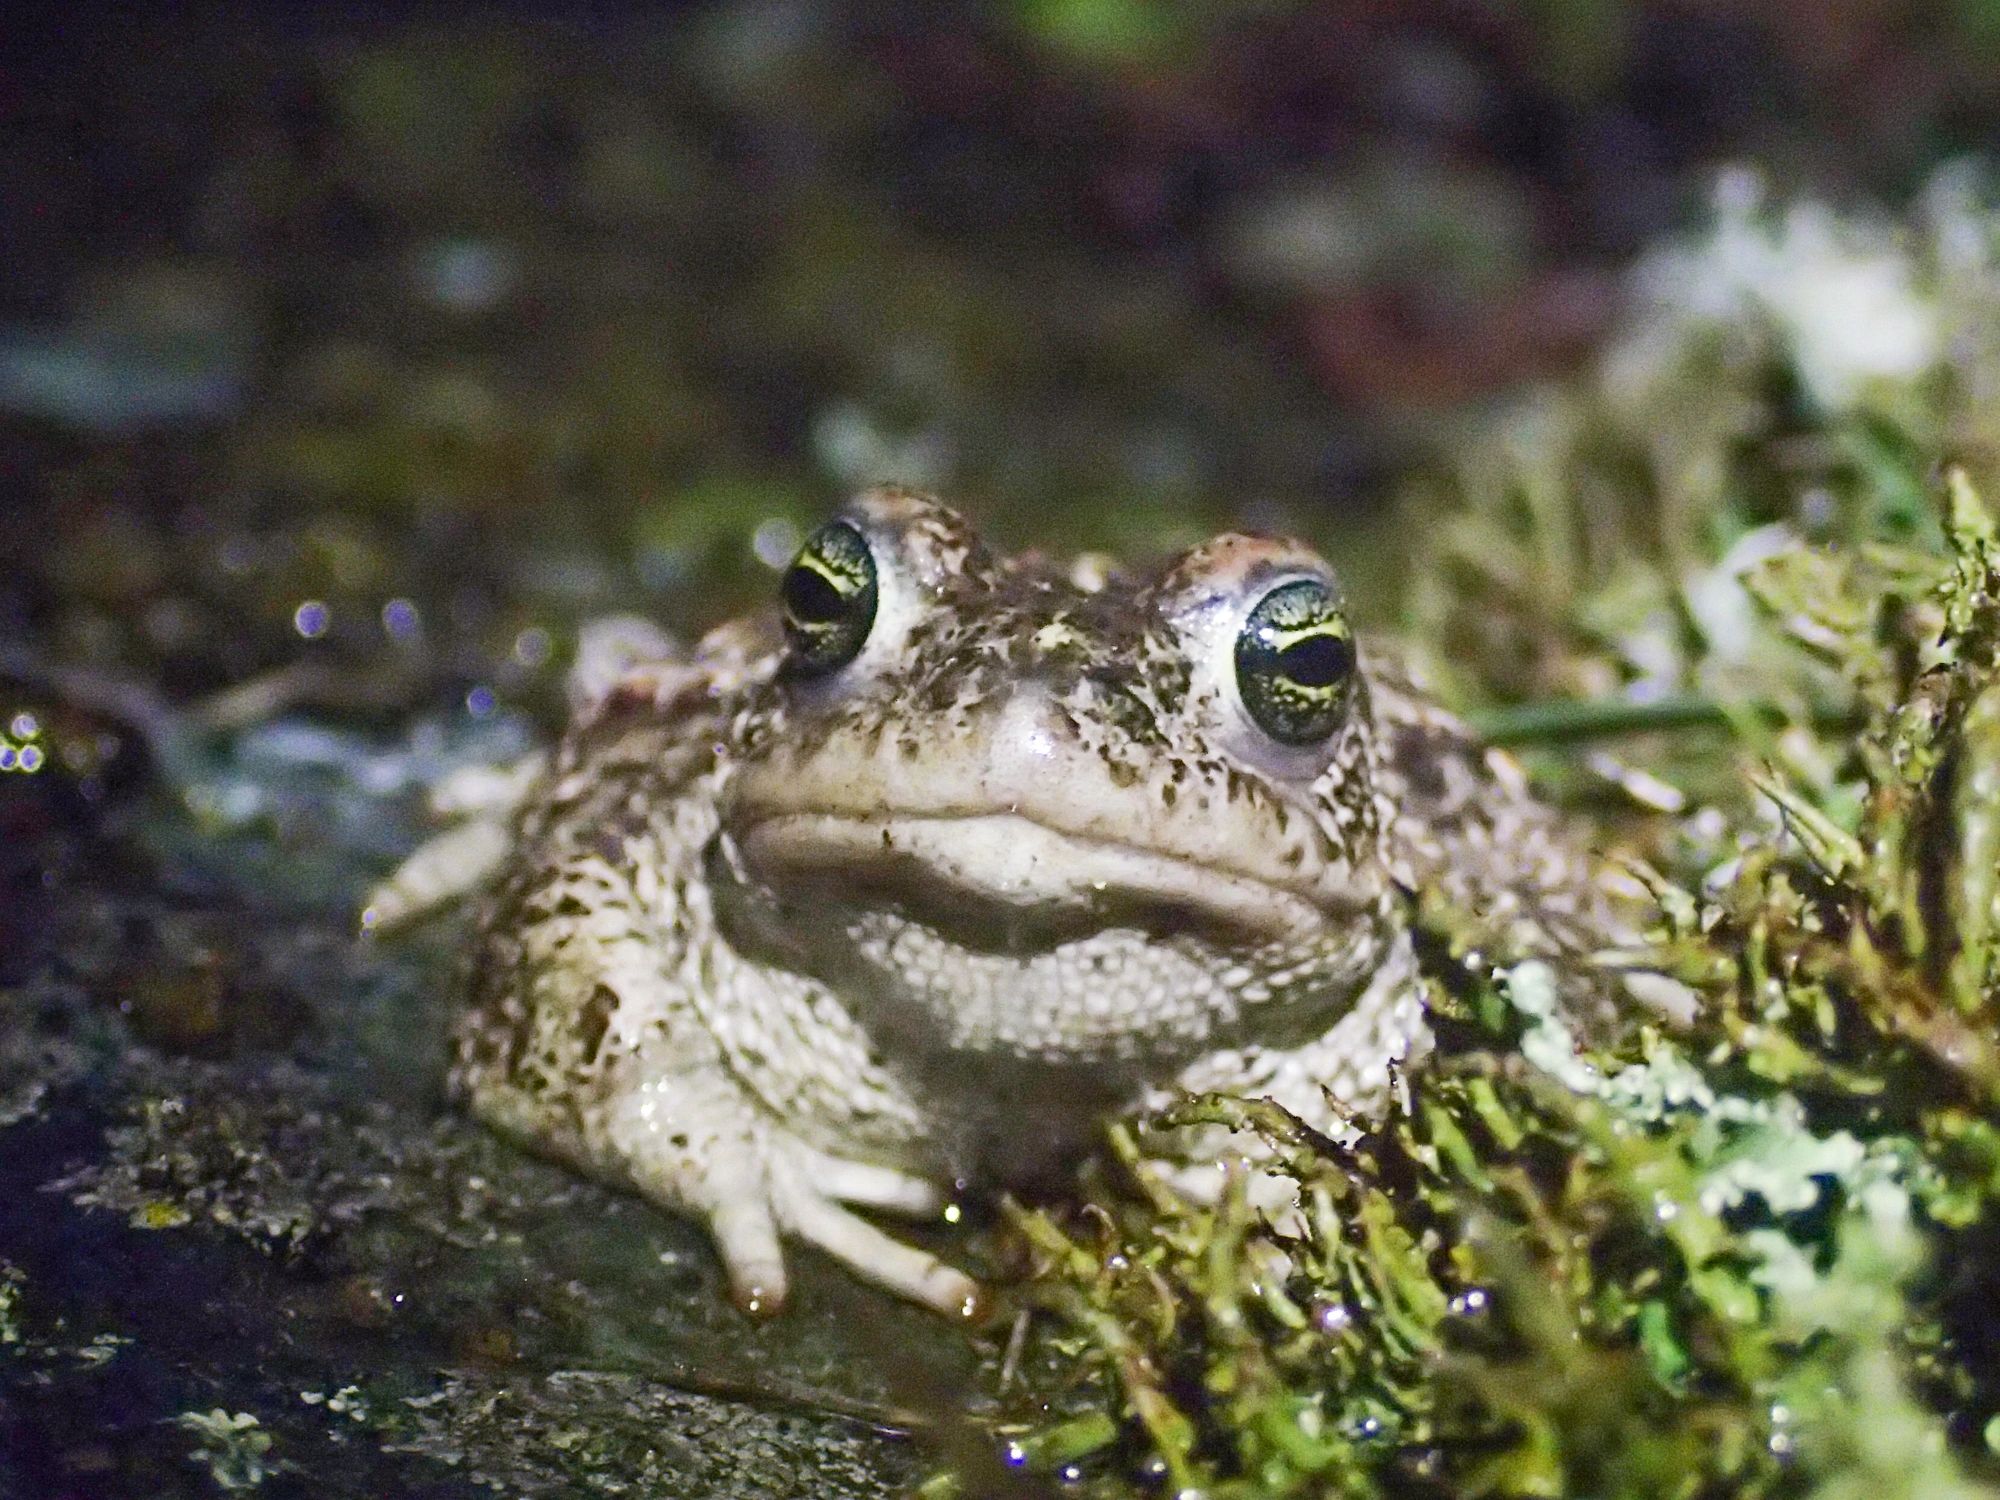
pixel 1295 663
pixel 829 595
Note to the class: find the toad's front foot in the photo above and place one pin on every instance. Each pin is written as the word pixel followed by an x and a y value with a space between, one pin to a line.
pixel 808 1190
pixel 753 1182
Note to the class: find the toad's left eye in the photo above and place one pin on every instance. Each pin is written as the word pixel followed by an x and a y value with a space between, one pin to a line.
pixel 1295 663
pixel 829 594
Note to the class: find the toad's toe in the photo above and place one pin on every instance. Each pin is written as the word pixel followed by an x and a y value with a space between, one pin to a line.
pixel 746 1237
pixel 904 1269
pixel 868 1186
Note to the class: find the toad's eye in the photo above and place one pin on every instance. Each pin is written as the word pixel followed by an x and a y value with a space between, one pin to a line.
pixel 829 596
pixel 1295 663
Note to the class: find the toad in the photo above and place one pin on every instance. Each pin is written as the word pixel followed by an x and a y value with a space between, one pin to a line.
pixel 912 880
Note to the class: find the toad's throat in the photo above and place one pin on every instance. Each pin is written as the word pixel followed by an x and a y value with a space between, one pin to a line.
pixel 1010 873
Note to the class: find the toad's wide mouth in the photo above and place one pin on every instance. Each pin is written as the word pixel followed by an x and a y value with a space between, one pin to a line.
pixel 1006 873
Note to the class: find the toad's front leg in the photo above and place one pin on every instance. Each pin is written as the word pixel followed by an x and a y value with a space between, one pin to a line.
pixel 616 1030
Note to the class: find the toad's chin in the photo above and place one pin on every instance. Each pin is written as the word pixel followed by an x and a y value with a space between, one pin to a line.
pixel 994 935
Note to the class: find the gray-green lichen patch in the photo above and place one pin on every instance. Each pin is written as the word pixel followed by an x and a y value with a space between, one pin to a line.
pixel 235 1447
pixel 562 1308
pixel 612 1433
pixel 186 1234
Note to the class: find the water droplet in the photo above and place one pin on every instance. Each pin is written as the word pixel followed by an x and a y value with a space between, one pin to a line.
pixel 1332 1317
pixel 238 555
pixel 311 618
pixel 775 542
pixel 531 646
pixel 467 276
pixel 399 619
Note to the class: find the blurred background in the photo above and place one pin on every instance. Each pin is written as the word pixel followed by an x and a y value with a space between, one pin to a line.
pixel 459 325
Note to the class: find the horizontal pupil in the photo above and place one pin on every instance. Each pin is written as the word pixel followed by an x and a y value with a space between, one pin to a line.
pixel 811 599
pixel 1318 661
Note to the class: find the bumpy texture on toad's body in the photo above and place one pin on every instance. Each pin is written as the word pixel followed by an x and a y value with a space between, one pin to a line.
pixel 778 938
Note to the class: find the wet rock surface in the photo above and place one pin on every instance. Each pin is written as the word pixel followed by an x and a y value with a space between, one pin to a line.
pixel 244 1241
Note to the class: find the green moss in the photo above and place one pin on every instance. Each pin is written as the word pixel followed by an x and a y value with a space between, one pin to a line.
pixel 1749 1258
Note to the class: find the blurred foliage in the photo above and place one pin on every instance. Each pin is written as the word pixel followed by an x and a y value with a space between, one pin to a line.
pixel 516 324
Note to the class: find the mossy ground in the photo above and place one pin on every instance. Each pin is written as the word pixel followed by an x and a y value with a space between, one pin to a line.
pixel 1756 1256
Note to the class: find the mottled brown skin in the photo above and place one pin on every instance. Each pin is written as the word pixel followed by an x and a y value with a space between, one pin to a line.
pixel 768 947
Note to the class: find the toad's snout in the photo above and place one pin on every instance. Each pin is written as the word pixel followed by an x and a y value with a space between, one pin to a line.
pixel 1018 803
